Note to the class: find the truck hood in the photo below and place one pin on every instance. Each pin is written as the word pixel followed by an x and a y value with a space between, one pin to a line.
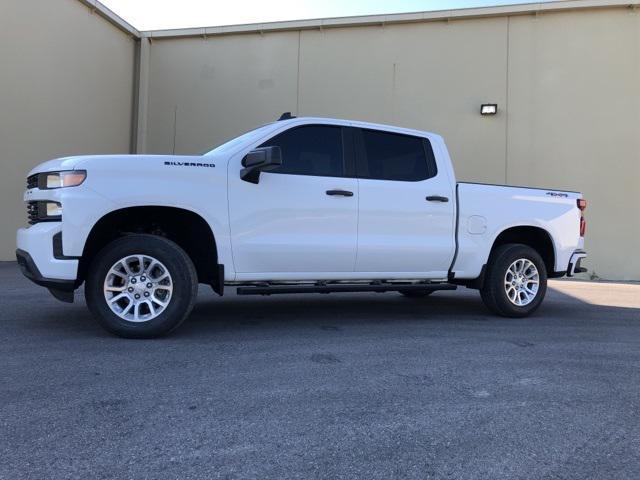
pixel 105 161
pixel 65 163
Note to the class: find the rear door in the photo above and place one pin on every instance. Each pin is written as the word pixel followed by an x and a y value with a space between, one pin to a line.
pixel 406 207
pixel 299 221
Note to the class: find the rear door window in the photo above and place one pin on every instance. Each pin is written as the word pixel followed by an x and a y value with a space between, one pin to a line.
pixel 392 156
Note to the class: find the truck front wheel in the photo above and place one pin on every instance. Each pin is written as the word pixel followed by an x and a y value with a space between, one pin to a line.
pixel 515 281
pixel 141 286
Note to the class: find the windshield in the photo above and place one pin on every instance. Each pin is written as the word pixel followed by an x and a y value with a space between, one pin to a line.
pixel 236 141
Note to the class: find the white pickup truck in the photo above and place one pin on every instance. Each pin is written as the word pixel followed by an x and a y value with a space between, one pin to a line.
pixel 295 206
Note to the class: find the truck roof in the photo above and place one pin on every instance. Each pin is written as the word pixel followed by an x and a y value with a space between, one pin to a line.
pixel 356 123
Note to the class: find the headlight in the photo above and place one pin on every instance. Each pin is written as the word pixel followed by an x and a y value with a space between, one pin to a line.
pixel 67 178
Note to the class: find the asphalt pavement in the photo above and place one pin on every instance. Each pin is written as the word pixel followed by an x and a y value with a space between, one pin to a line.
pixel 370 386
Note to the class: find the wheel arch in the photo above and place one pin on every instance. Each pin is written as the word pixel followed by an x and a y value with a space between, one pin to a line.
pixel 185 227
pixel 533 236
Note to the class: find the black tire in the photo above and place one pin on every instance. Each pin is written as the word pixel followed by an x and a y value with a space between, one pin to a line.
pixel 493 291
pixel 176 261
pixel 416 293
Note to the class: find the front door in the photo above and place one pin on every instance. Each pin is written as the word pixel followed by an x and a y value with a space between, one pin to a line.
pixel 300 221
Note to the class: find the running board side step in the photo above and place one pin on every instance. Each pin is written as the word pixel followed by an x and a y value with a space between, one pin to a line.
pixel 342 288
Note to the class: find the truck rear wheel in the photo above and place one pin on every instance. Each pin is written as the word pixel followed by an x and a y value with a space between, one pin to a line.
pixel 141 286
pixel 515 281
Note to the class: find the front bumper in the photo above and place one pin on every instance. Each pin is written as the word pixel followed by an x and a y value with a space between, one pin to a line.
pixel 38 241
pixel 43 264
pixel 61 289
pixel 574 263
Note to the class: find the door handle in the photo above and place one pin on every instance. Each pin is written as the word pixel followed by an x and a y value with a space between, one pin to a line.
pixel 437 198
pixel 343 193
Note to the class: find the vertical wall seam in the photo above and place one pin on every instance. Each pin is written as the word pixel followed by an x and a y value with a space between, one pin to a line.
pixel 394 91
pixel 175 128
pixel 506 108
pixel 135 98
pixel 141 96
pixel 298 77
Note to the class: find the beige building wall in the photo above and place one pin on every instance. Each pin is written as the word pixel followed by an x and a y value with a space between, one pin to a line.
pixel 66 88
pixel 202 92
pixel 574 122
pixel 566 84
pixel 429 76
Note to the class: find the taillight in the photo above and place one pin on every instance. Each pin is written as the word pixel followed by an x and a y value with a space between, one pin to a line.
pixel 582 205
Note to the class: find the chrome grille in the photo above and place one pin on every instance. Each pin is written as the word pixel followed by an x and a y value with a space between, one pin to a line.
pixel 32 181
pixel 33 212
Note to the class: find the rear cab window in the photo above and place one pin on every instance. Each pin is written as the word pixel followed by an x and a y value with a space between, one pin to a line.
pixel 382 155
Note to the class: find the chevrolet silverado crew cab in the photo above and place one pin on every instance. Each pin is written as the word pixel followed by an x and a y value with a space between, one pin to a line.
pixel 295 206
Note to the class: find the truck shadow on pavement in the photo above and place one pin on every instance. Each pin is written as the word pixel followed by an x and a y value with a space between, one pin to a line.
pixel 32 310
pixel 336 311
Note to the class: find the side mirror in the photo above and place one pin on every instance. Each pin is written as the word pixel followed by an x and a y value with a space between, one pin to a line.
pixel 260 160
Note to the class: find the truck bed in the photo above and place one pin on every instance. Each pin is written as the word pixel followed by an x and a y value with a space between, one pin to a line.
pixel 485 210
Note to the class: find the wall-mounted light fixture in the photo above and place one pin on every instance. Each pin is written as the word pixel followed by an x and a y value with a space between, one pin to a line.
pixel 489 109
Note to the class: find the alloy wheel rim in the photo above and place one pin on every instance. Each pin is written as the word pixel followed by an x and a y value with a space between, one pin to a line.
pixel 138 288
pixel 521 282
